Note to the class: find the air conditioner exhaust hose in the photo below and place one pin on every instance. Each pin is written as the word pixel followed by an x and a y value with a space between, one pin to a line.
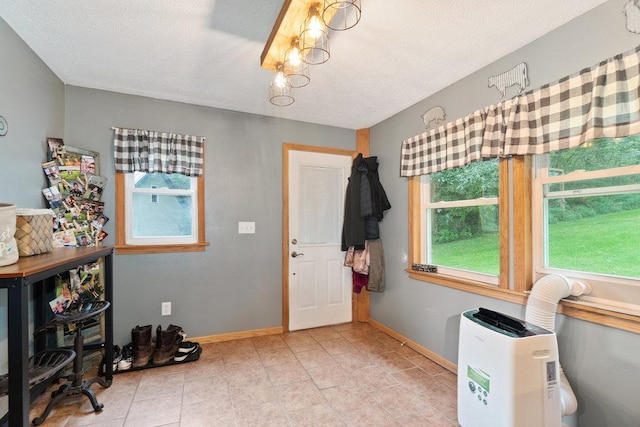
pixel 541 311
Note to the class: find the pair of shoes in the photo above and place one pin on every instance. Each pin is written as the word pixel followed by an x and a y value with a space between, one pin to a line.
pixel 126 359
pixel 161 351
pixel 186 351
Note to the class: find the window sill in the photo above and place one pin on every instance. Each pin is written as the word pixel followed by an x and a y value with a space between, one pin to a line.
pixel 601 316
pixel 157 249
pixel 469 286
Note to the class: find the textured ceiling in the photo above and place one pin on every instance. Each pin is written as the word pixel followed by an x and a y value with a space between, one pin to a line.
pixel 207 52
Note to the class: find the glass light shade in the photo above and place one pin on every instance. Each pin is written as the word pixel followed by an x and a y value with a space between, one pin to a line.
pixel 314 39
pixel 293 55
pixel 280 93
pixel 279 80
pixel 296 70
pixel 281 97
pixel 347 14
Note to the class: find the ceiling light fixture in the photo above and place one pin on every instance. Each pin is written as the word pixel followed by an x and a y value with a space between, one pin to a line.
pixel 299 38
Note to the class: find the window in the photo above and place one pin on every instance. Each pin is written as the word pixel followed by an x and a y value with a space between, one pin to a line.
pixel 587 219
pixel 574 212
pixel 159 191
pixel 460 221
pixel 159 212
pixel 473 224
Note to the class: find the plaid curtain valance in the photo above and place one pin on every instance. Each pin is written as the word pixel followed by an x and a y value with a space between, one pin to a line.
pixel 442 149
pixel 601 101
pixel 137 150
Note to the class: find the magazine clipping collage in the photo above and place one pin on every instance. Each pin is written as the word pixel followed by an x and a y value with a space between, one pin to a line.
pixel 74 194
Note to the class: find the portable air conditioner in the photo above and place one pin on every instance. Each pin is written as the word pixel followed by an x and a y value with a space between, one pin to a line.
pixel 508 372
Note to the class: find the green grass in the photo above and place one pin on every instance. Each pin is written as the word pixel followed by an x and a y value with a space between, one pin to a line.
pixel 478 254
pixel 607 243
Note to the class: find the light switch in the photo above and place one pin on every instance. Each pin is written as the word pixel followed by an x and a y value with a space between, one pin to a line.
pixel 246 227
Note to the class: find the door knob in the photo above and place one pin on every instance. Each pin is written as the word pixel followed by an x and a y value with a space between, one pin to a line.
pixel 296 254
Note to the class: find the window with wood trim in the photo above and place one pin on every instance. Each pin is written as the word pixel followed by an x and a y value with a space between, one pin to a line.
pixel 158 212
pixel 587 220
pixel 460 221
pixel 533 199
pixel 468 226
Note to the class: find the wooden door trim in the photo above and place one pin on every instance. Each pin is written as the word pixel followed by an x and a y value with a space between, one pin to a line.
pixel 360 302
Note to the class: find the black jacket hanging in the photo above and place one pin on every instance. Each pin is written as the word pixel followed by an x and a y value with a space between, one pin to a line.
pixel 365 203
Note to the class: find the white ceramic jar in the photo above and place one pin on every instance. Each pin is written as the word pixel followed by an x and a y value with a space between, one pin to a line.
pixel 8 247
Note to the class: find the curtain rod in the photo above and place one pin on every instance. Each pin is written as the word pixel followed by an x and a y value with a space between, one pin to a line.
pixel 124 127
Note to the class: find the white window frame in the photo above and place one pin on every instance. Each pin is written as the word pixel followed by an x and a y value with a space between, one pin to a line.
pixel 426 209
pixel 614 293
pixel 130 190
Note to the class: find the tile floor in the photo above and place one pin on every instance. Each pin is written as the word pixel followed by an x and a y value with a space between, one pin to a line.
pixel 344 375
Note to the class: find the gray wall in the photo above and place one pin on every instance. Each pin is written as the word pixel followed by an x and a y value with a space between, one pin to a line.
pixel 32 102
pixel 601 363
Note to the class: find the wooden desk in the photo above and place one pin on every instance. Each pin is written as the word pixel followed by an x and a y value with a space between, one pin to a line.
pixel 17 278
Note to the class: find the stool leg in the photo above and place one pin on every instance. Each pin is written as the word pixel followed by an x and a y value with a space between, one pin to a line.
pixel 104 383
pixel 60 394
pixel 78 347
pixel 92 397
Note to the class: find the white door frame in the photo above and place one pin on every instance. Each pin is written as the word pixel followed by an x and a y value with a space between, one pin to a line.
pixel 286 147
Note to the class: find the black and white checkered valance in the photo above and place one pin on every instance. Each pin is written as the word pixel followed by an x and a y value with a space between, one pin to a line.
pixel 137 150
pixel 450 146
pixel 601 101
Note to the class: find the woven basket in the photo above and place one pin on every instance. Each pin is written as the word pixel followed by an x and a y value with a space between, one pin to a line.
pixel 34 231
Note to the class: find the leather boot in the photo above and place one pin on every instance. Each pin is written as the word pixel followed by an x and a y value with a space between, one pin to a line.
pixel 167 343
pixel 181 333
pixel 142 346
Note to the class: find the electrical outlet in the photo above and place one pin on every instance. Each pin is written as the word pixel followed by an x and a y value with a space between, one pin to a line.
pixel 166 309
pixel 246 227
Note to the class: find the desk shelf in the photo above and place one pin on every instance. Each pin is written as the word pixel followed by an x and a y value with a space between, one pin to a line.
pixel 18 278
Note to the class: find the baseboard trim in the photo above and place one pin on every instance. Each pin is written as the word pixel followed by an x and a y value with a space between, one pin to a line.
pixel 237 335
pixel 450 366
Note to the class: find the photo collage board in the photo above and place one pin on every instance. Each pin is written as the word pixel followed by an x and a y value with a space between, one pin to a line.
pixel 74 193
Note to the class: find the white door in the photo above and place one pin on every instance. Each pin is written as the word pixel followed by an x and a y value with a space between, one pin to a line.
pixel 319 284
